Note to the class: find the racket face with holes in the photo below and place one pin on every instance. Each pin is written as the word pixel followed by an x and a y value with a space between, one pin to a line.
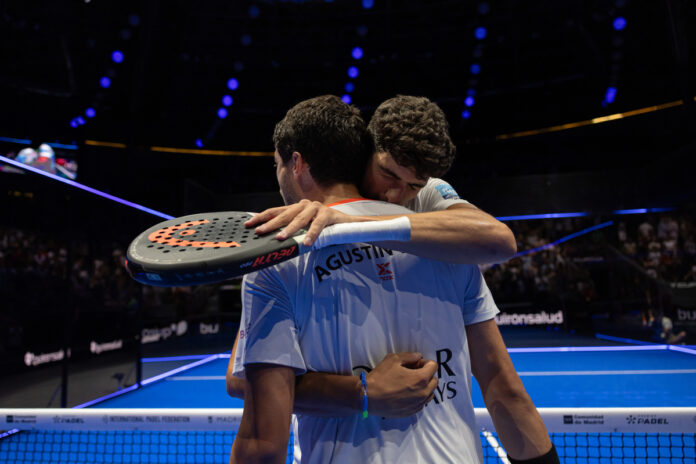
pixel 205 248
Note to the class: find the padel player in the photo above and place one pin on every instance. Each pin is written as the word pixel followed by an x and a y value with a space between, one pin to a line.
pixel 413 147
pixel 374 302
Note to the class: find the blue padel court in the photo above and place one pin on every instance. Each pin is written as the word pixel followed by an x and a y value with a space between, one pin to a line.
pixel 597 377
pixel 583 377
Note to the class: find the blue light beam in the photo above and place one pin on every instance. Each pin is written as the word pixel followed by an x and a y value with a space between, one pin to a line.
pixel 72 183
pixel 563 239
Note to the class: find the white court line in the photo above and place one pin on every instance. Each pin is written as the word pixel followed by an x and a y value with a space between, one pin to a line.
pixel 198 377
pixel 521 374
pixel 635 372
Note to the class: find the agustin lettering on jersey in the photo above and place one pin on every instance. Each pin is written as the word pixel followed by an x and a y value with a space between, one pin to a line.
pixel 342 258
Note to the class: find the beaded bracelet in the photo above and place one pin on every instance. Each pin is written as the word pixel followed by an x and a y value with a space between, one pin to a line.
pixel 363 379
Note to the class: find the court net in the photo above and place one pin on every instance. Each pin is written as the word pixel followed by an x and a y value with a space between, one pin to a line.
pixel 581 435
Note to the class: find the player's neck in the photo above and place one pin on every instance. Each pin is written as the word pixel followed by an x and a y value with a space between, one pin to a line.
pixel 333 193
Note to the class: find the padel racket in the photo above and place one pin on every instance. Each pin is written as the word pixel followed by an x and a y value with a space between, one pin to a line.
pixel 211 247
pixel 205 248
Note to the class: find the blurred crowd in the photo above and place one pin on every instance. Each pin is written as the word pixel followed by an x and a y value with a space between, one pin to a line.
pixel 664 244
pixel 39 271
pixel 93 274
pixel 42 279
pixel 544 272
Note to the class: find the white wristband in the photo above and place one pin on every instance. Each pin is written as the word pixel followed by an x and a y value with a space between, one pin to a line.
pixel 398 229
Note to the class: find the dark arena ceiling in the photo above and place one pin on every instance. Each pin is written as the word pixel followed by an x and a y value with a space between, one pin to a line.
pixel 526 65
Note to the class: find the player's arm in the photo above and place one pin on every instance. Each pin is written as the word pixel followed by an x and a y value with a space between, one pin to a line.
pixel 461 233
pixel 263 433
pixel 517 422
pixel 398 386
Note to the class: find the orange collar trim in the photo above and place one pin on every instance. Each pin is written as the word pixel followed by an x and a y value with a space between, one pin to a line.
pixel 349 200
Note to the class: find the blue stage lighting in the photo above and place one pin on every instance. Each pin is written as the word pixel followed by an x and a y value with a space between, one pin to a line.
pixel 466 114
pixel 80 120
pixel 227 100
pixel 73 123
pixel 199 143
pixel 480 33
pixel 222 113
pixel 246 40
pixel 367 4
pixel 83 187
pixel 232 84
pixel 527 217
pixel 134 20
pixel 349 87
pixel 484 8
pixel 14 140
pixel 90 113
pixel 105 82
pixel 254 11
pixel 471 92
pixel 564 239
pixel 475 68
pixel 620 23
pixel 117 56
pixel 610 96
pixel 357 53
pixel 469 101
pixel 353 72
pixel 346 99
pixel 642 210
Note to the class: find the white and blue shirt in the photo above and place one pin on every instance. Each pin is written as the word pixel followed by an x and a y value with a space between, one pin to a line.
pixel 342 309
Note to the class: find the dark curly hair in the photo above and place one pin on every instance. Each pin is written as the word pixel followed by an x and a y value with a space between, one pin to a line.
pixel 414 131
pixel 331 137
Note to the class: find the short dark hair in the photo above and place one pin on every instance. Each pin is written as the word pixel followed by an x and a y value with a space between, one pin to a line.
pixel 415 132
pixel 330 135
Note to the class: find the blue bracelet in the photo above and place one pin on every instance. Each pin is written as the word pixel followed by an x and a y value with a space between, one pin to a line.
pixel 363 379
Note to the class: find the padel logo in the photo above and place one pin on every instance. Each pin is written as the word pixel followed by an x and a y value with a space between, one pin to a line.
pixel 274 256
pixel 646 419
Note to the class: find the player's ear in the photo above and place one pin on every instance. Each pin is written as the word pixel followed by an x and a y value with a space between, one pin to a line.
pixel 299 163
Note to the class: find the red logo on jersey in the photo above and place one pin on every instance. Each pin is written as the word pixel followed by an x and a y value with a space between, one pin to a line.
pixel 384 273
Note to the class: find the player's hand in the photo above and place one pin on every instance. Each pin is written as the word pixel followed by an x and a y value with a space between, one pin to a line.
pixel 310 215
pixel 401 385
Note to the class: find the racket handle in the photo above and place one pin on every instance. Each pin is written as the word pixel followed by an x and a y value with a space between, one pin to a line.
pixel 398 229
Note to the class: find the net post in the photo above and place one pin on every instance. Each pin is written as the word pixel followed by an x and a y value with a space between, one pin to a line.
pixel 68 313
pixel 65 361
pixel 138 340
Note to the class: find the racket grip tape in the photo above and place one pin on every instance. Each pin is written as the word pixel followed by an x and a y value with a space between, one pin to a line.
pixel 398 229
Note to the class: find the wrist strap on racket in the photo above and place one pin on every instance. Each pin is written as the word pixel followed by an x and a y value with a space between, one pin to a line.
pixel 398 229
